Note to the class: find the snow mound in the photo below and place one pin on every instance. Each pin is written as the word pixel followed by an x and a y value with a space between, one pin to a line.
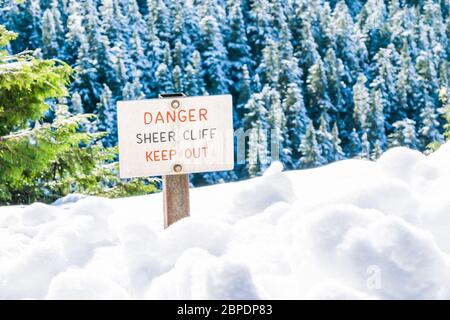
pixel 350 230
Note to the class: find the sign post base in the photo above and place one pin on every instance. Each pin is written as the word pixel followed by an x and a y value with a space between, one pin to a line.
pixel 176 198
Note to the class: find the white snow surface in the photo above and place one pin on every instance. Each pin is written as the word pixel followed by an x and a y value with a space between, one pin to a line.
pixel 354 229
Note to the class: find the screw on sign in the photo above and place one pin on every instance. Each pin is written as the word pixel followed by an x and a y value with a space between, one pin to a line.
pixel 172 137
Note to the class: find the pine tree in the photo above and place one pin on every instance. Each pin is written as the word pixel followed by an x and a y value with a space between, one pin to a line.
pixel 377 151
pixel 306 47
pixel 49 38
pixel 76 104
pixel 410 96
pixel 404 134
pixel 290 72
pixel 310 150
pixel 113 21
pixel 237 48
pixel 106 109
pixel 259 28
pixel 354 145
pixel 444 97
pixel 365 147
pixel 255 123
pixel 270 66
pixel 164 79
pixel 375 120
pixel 134 90
pixel 213 56
pixel 348 41
pixel 334 71
pixel 429 130
pixel 317 89
pixel 194 84
pixel 177 79
pixel 297 119
pixel 337 149
pixel 325 140
pixel 158 20
pixel 361 103
pixel 384 81
pixel 277 122
pixel 245 90
pixel 75 35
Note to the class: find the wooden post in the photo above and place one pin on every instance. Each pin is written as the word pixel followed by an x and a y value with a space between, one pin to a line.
pixel 175 189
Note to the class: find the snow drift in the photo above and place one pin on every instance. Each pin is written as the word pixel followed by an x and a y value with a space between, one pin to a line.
pixel 350 230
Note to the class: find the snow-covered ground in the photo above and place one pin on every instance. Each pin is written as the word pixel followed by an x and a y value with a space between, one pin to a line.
pixel 353 229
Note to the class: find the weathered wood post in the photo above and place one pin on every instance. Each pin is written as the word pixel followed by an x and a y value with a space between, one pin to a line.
pixel 175 187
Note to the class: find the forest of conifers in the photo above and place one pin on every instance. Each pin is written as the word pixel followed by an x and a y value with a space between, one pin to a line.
pixel 337 79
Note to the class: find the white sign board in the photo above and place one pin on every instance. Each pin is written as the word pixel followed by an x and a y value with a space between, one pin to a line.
pixel 175 135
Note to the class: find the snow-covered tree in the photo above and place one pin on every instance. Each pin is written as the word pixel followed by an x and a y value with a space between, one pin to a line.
pixel 49 38
pixel 256 124
pixel 310 150
pixel 297 119
pixel 365 147
pixel 317 88
pixel 164 79
pixel 404 134
pixel 107 117
pixel 337 149
pixel 237 47
pixel 429 127
pixel 213 56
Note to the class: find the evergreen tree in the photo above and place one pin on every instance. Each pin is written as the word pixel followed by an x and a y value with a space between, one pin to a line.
pixel 277 122
pixel 134 90
pixel 337 149
pixel 107 115
pixel 361 103
pixel 177 79
pixel 271 64
pixel 354 145
pixel 334 70
pixel 404 134
pixel 75 36
pixel 317 89
pixel 260 28
pixel 310 150
pixel 194 83
pixel 158 20
pixel 429 130
pixel 237 47
pixel 290 71
pixel 306 48
pixel 375 120
pixel 49 39
pixel 348 41
pixel 325 141
pixel 297 119
pixel 164 79
pixel 255 123
pixel 245 90
pixel 76 104
pixel 377 150
pixel 213 56
pixel 365 147
pixel 384 81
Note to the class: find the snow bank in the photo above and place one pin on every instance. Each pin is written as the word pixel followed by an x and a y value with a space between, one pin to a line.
pixel 350 230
